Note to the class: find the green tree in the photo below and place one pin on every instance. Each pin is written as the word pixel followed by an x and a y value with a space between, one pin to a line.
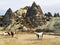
pixel 56 15
pixel 48 14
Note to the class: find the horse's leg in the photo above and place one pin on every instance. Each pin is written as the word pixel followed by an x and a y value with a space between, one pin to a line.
pixel 37 36
pixel 41 36
pixel 12 34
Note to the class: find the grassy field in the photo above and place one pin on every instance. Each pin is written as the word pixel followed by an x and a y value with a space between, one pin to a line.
pixel 29 39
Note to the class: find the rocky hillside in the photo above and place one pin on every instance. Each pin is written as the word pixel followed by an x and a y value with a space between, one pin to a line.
pixel 28 18
pixel 34 16
pixel 34 10
pixel 22 11
pixel 54 23
pixel 8 17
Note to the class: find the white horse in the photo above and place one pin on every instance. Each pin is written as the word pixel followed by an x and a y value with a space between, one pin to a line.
pixel 6 33
pixel 39 34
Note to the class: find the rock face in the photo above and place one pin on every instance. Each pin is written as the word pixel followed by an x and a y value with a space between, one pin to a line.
pixel 34 15
pixel 34 10
pixel 53 24
pixel 21 11
pixel 8 17
pixel 29 16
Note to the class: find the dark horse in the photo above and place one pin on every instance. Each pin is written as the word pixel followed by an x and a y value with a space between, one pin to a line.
pixel 12 34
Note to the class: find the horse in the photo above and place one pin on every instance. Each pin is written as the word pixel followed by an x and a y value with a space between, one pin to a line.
pixel 39 34
pixel 6 33
pixel 12 34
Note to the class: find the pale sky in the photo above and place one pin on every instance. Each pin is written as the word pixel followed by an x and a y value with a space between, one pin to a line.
pixel 46 5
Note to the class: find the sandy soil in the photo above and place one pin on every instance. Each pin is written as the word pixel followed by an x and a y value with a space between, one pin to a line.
pixel 29 39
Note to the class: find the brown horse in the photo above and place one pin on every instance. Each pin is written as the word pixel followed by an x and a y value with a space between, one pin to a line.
pixel 12 34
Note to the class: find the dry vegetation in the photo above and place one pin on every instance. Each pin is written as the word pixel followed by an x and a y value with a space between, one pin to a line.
pixel 29 39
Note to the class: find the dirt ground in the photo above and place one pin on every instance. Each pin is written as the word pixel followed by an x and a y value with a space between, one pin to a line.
pixel 29 39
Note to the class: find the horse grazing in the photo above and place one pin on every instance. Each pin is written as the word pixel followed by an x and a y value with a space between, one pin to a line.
pixel 39 34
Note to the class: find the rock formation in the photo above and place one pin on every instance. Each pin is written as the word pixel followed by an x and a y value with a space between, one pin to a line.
pixel 29 16
pixel 22 11
pixel 8 17
pixel 34 15
pixel 34 10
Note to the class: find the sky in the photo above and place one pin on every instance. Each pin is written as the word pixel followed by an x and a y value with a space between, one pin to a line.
pixel 52 6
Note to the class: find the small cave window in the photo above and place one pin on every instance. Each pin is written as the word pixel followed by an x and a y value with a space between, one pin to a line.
pixel 17 20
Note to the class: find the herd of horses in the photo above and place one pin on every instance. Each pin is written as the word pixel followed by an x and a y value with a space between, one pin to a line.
pixel 38 34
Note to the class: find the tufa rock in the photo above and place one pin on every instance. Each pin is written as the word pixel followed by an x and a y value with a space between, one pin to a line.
pixel 22 11
pixel 8 17
pixel 34 15
pixel 29 17
pixel 34 10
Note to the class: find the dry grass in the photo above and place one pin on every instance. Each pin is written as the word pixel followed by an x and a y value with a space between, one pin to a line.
pixel 29 39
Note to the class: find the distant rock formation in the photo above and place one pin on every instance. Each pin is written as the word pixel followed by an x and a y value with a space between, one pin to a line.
pixel 34 15
pixel 8 17
pixel 21 11
pixel 34 10
pixel 29 17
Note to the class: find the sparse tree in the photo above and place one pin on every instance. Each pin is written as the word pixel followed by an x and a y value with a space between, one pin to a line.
pixel 56 15
pixel 48 14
